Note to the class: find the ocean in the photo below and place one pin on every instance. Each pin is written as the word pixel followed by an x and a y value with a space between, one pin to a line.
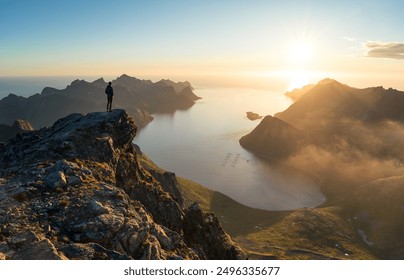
pixel 201 144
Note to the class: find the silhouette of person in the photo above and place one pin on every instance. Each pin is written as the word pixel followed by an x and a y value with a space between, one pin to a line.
pixel 109 91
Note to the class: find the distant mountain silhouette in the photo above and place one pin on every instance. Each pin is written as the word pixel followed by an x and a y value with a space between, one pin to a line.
pixel 298 92
pixel 179 86
pixel 331 112
pixel 139 98
pixel 330 100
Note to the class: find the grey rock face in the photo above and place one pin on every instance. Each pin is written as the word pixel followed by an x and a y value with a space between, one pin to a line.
pixel 76 191
pixel 19 126
pixel 203 232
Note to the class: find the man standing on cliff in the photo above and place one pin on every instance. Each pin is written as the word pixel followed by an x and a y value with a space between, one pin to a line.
pixel 109 91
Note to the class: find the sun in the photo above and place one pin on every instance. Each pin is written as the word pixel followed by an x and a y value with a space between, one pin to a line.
pixel 300 53
pixel 299 56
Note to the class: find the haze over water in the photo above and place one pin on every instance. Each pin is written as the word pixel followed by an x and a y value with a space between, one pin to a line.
pixel 202 144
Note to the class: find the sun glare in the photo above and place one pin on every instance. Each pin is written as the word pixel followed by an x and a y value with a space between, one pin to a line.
pixel 298 79
pixel 300 52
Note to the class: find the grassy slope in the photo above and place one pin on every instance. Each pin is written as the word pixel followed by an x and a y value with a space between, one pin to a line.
pixel 319 233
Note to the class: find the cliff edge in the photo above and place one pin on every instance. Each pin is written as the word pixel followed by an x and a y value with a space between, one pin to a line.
pixel 76 191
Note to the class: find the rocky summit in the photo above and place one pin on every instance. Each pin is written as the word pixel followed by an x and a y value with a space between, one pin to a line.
pixel 76 190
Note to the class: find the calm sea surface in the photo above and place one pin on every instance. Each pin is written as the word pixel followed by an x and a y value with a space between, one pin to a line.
pixel 202 144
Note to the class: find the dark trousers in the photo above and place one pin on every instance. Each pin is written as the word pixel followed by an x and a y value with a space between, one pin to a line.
pixel 109 103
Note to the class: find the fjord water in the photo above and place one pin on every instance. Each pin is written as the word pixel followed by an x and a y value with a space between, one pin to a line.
pixel 202 144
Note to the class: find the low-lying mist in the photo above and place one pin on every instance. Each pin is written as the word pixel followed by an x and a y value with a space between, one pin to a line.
pixel 350 153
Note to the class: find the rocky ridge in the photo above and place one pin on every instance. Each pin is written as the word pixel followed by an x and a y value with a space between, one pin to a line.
pixel 140 98
pixel 77 191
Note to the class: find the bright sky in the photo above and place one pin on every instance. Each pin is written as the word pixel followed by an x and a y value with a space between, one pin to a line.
pixel 251 41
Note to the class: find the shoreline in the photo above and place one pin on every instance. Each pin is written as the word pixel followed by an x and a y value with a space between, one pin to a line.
pixel 318 181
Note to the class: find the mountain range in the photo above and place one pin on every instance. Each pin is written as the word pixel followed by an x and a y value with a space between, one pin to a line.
pixel 352 140
pixel 140 98
pixel 330 115
pixel 80 189
pixel 330 100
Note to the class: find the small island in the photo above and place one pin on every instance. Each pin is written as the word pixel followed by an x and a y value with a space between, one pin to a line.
pixel 253 116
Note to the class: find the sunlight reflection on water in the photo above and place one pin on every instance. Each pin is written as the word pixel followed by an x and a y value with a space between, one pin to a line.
pixel 202 144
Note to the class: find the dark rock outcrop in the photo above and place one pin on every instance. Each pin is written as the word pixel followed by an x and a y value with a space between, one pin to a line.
pixel 169 183
pixel 19 126
pixel 76 191
pixel 253 116
pixel 274 138
pixel 203 232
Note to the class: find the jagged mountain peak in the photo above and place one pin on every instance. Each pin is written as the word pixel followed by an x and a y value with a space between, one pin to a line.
pixel 324 85
pixel 99 82
pixel 140 98
pixel 328 85
pixel 332 100
pixel 125 77
pixel 78 82
pixel 12 97
pixel 328 81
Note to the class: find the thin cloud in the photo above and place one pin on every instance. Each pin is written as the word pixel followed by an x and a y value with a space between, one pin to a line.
pixel 393 50
pixel 350 39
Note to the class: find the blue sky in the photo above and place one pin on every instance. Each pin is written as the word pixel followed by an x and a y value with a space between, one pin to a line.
pixel 201 38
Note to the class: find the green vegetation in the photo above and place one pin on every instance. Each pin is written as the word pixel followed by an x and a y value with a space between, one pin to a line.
pixel 319 233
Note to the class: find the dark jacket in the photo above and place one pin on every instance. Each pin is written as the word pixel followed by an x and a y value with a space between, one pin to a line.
pixel 109 91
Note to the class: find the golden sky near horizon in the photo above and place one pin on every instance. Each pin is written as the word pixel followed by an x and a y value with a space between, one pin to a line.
pixel 283 44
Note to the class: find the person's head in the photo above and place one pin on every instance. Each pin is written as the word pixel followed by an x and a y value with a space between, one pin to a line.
pixel 109 83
